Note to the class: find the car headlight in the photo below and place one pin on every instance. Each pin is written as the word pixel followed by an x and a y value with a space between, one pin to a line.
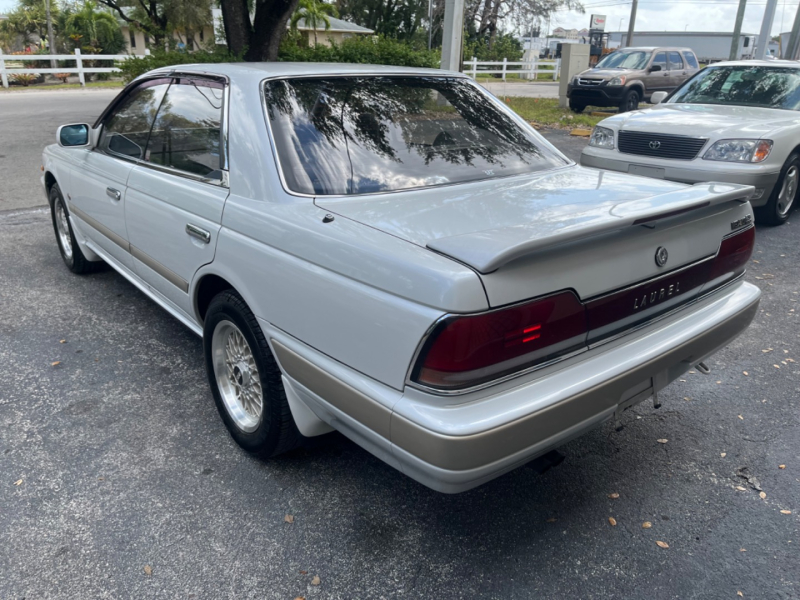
pixel 575 80
pixel 620 80
pixel 753 151
pixel 602 137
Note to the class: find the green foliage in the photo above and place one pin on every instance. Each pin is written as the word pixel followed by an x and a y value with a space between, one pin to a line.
pixel 94 31
pixel 399 19
pixel 377 50
pixel 503 46
pixel 135 66
pixel 314 13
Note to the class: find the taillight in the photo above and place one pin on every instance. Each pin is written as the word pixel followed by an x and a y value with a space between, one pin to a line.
pixel 732 257
pixel 464 351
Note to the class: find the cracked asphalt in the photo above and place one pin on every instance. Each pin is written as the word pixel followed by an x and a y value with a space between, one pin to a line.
pixel 118 479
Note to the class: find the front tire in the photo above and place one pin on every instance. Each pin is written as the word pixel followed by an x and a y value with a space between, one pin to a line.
pixel 65 236
pixel 630 101
pixel 776 210
pixel 245 379
pixel 576 107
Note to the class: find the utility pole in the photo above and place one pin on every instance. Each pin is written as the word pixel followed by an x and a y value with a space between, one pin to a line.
pixel 430 24
pixel 453 33
pixel 737 31
pixel 766 30
pixel 792 51
pixel 50 37
pixel 632 24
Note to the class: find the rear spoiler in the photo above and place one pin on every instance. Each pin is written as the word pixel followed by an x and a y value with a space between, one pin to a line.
pixel 488 250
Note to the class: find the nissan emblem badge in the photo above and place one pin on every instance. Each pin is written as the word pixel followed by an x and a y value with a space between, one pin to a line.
pixel 661 256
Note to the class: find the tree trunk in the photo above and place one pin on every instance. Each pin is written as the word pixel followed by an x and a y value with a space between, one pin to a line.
pixel 268 29
pixel 238 29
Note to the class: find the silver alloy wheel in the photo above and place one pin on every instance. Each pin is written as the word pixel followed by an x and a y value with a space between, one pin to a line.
pixel 788 190
pixel 237 376
pixel 62 225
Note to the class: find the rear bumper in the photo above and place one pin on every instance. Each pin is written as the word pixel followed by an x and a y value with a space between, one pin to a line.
pixel 454 444
pixel 687 171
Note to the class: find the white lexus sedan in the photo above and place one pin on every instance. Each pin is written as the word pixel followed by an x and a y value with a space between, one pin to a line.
pixel 394 254
pixel 737 122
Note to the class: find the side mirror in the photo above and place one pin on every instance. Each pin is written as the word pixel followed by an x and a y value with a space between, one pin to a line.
pixel 658 97
pixel 655 68
pixel 73 135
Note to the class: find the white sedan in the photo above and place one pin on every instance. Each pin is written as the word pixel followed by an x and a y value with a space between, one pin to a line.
pixel 737 122
pixel 394 254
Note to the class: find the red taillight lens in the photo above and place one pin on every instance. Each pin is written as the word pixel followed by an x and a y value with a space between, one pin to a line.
pixel 469 350
pixel 731 260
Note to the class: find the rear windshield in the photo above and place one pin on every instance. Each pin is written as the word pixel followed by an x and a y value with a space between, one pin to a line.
pixel 621 59
pixel 358 135
pixel 766 87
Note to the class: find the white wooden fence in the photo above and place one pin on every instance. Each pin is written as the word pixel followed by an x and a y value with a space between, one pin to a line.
pixel 78 58
pixel 525 69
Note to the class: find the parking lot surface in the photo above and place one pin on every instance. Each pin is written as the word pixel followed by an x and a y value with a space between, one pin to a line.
pixel 118 479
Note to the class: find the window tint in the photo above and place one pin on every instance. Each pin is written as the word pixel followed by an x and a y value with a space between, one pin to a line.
pixel 660 59
pixel 125 131
pixel 186 134
pixel 767 87
pixel 622 59
pixel 691 60
pixel 356 135
pixel 675 61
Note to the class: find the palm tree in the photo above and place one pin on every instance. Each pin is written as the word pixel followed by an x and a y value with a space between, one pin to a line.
pixel 91 25
pixel 314 13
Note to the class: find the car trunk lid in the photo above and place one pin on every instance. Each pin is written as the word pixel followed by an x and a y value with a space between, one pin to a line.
pixel 589 231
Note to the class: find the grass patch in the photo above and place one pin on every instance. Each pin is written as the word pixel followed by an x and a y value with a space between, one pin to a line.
pixel 66 86
pixel 545 111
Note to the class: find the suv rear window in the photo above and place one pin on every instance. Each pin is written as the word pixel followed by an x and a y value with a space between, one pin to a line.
pixel 691 60
pixel 358 135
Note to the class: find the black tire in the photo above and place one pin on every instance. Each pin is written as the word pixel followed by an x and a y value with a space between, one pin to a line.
pixel 275 431
pixel 777 209
pixel 575 107
pixel 72 255
pixel 630 101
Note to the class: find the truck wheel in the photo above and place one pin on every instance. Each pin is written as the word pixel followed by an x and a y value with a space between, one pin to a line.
pixel 575 107
pixel 65 238
pixel 630 101
pixel 776 210
pixel 245 379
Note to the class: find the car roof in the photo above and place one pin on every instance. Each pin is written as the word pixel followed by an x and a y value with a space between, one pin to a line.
pixel 263 70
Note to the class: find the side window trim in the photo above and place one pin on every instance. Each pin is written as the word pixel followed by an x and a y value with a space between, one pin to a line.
pixel 221 83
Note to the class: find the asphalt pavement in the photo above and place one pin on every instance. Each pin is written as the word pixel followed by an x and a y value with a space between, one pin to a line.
pixel 118 479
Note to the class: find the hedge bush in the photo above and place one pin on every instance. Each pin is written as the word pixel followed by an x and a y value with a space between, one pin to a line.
pixel 360 49
pixel 363 50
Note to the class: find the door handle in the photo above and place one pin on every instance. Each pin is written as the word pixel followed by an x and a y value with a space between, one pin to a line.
pixel 201 234
pixel 113 194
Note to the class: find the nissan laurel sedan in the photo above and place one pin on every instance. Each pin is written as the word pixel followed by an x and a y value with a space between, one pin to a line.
pixel 737 122
pixel 394 254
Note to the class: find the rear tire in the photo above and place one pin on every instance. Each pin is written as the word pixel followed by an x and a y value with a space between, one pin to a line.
pixel 245 379
pixel 630 101
pixel 65 236
pixel 776 211
pixel 575 107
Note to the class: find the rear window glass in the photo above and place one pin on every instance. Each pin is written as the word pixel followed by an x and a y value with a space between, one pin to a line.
pixel 359 135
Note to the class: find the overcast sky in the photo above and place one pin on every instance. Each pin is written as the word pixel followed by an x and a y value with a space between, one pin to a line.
pixel 676 15
pixel 654 15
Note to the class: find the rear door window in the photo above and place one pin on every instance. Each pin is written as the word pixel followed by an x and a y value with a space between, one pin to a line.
pixel 187 131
